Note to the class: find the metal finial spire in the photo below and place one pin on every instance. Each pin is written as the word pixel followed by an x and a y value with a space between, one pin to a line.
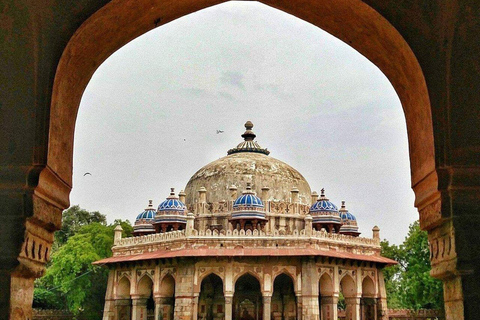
pixel 248 145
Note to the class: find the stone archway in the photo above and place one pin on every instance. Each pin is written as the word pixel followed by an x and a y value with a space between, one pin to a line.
pixel 327 302
pixel 284 301
pixel 123 302
pixel 165 299
pixel 349 291
pixel 37 177
pixel 211 300
pixel 368 302
pixel 142 301
pixel 247 299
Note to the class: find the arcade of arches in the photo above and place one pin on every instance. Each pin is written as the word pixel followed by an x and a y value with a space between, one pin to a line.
pixel 427 49
pixel 244 289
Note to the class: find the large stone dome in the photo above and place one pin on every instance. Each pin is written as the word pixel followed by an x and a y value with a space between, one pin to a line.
pixel 248 162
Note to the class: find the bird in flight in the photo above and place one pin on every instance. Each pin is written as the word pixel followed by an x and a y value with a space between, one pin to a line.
pixel 219 131
pixel 86 173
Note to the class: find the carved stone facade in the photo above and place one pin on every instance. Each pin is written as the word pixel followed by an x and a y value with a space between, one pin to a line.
pixel 245 257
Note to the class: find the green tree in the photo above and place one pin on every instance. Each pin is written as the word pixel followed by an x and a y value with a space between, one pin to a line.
pixel 73 219
pixel 71 281
pixel 409 284
pixel 71 271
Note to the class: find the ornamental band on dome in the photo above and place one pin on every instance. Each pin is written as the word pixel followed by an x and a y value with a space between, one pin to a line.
pixel 275 250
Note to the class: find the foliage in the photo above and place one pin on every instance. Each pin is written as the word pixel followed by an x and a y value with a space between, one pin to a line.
pixel 71 281
pixel 73 219
pixel 409 284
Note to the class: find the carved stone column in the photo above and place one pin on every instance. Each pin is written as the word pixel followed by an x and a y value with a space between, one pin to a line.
pixel 123 309
pixel 352 310
pixel 267 306
pixel 329 307
pixel 298 296
pixel 228 307
pixel 382 308
pixel 139 308
pixel 195 306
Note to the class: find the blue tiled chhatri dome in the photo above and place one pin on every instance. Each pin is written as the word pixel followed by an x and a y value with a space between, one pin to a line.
pixel 349 222
pixel 248 206
pixel 144 221
pixel 171 212
pixel 325 214
pixel 172 203
pixel 323 205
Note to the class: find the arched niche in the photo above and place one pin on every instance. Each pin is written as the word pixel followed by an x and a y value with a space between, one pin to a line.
pixel 145 286
pixel 347 286
pixel 368 288
pixel 247 298
pixel 325 285
pixel 211 300
pixel 166 298
pixel 284 301
pixel 123 289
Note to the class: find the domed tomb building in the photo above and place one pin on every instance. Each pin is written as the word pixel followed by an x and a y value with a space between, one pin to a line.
pixel 247 239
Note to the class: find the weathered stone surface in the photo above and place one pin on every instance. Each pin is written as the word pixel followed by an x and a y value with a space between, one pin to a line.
pixel 238 169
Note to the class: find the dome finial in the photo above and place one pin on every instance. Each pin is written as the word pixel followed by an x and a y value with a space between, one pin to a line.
pixel 172 191
pixel 248 135
pixel 322 192
pixel 248 145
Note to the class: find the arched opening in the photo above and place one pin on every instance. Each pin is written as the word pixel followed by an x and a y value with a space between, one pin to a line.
pixel 123 303
pixel 284 301
pixel 326 301
pixel 211 302
pixel 368 303
pixel 247 299
pixel 288 9
pixel 166 300
pixel 349 292
pixel 145 304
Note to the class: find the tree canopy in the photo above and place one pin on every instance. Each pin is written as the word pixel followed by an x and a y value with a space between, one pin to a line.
pixel 71 281
pixel 409 284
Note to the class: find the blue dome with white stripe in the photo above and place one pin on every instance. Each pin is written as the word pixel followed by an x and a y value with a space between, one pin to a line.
pixel 345 215
pixel 323 205
pixel 248 200
pixel 172 204
pixel 148 214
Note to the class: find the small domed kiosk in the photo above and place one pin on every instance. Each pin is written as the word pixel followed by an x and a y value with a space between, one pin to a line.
pixel 171 215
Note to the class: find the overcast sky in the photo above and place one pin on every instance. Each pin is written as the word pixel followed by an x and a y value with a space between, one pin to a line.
pixel 148 118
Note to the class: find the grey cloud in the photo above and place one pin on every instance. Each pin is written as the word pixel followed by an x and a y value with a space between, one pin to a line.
pixel 233 78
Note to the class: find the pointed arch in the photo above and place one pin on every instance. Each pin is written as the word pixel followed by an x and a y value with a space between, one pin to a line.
pixel 123 288
pixel 211 302
pixel 251 273
pixel 368 287
pixel 167 286
pixel 284 300
pixel 325 285
pixel 145 286
pixel 347 286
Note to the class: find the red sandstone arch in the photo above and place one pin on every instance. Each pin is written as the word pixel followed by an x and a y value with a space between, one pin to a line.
pixel 123 289
pixel 368 287
pixel 286 272
pixel 347 286
pixel 352 21
pixel 253 274
pixel 325 285
pixel 145 286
